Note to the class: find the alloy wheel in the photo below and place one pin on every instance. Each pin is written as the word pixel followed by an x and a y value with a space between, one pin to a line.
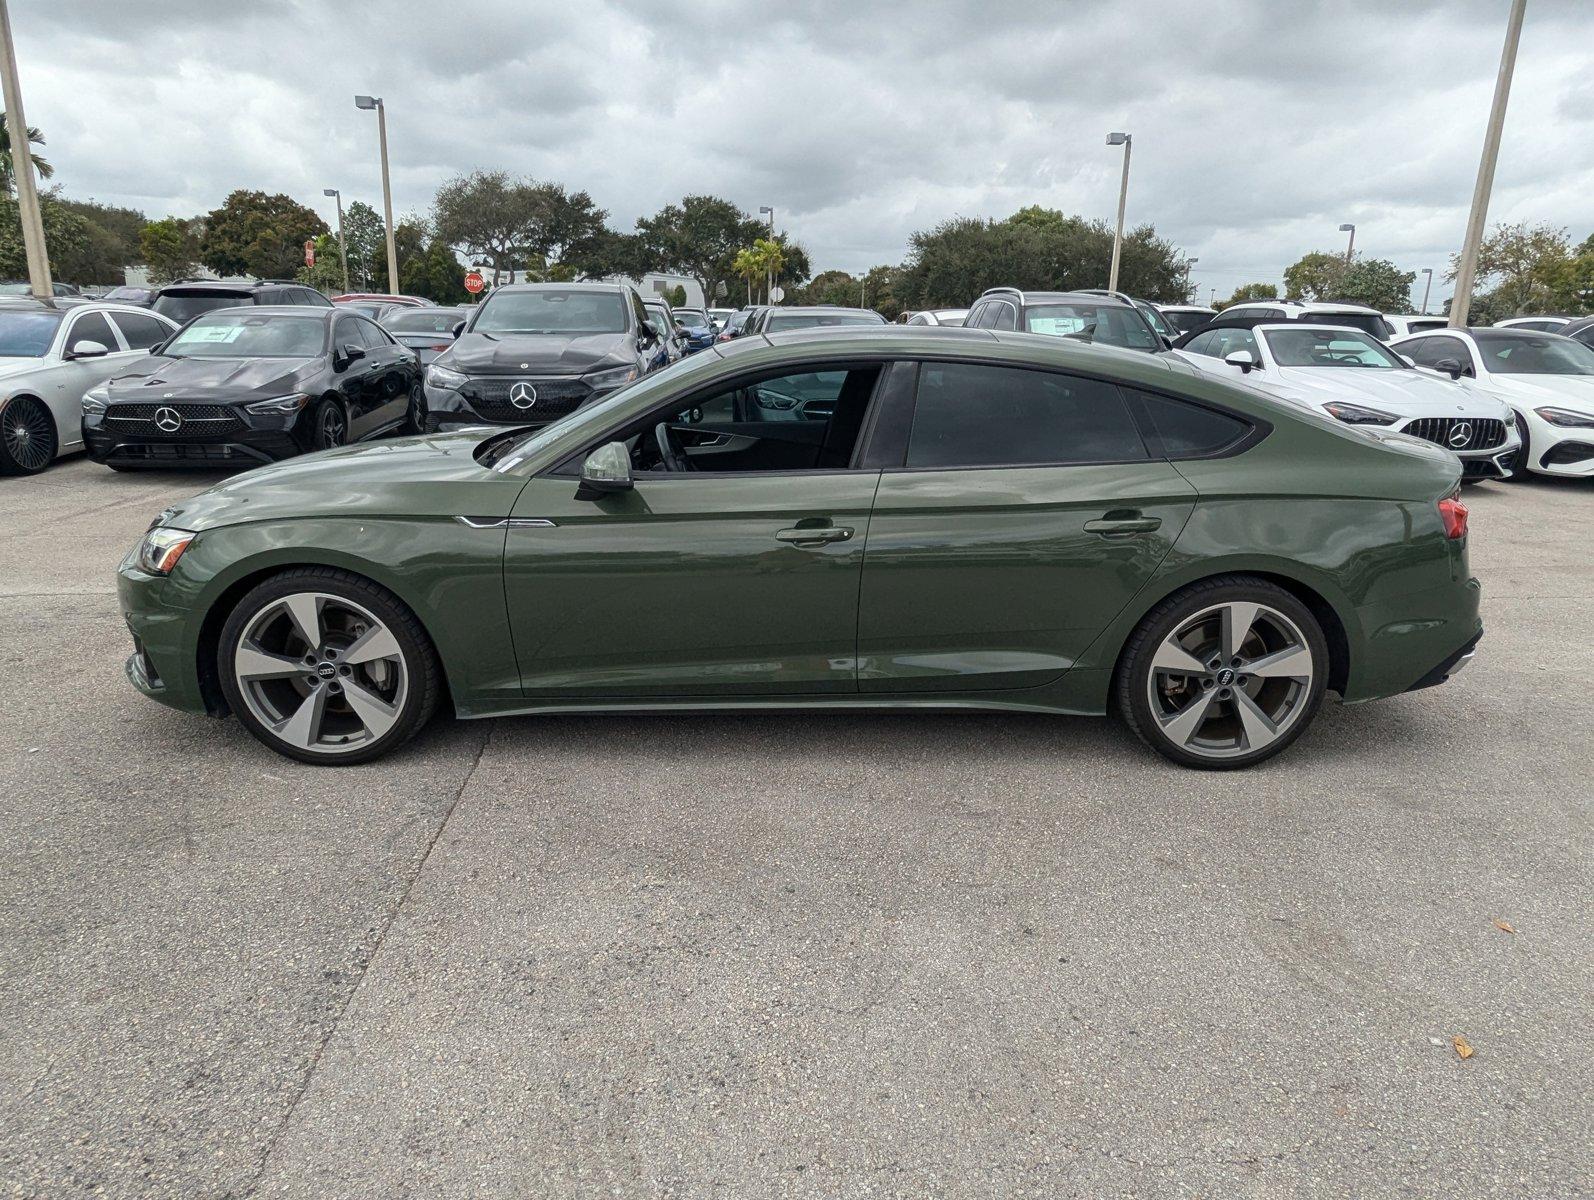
pixel 1230 680
pixel 28 436
pixel 321 673
pixel 333 426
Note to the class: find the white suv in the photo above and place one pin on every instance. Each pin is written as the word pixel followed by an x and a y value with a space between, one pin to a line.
pixel 1352 316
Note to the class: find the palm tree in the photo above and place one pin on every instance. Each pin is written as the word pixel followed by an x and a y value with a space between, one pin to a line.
pixel 8 179
pixel 749 264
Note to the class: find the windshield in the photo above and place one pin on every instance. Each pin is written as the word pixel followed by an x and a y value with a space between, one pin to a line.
pixel 552 312
pixel 27 334
pixel 1184 322
pixel 246 334
pixel 184 306
pixel 423 320
pixel 1367 322
pixel 692 320
pixel 1103 324
pixel 1327 348
pixel 1506 355
pixel 780 320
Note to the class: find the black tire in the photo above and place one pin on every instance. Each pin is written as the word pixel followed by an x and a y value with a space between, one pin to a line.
pixel 1132 684
pixel 27 437
pixel 1519 464
pixel 415 418
pixel 329 425
pixel 422 674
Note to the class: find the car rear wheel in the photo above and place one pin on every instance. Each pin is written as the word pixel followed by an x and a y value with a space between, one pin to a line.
pixel 27 438
pixel 1224 674
pixel 326 667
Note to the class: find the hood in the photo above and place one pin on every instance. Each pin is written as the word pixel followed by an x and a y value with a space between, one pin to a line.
pixel 1399 393
pixel 1575 392
pixel 537 353
pixel 216 379
pixel 427 476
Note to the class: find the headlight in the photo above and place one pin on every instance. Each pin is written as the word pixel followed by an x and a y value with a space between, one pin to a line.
pixel 1355 414
pixel 1562 416
pixel 279 404
pixel 161 548
pixel 442 377
pixel 95 400
pixel 610 379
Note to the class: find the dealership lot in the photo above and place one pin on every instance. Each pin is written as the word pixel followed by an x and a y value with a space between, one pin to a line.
pixel 793 954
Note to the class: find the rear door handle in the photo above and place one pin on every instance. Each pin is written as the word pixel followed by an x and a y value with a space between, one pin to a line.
pixel 800 536
pixel 1112 525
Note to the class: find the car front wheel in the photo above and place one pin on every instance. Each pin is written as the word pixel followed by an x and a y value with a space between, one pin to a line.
pixel 27 438
pixel 1224 674
pixel 326 667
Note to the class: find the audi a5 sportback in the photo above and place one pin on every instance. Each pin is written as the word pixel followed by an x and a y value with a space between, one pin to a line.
pixel 534 352
pixel 250 385
pixel 975 520
pixel 1355 378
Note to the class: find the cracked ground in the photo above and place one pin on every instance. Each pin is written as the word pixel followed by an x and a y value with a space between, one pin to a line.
pixel 793 955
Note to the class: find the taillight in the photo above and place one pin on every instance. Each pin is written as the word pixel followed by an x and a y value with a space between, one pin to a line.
pixel 440 346
pixel 1454 514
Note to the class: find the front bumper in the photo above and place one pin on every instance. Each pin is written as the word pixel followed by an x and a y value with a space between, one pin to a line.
pixel 128 436
pixel 163 664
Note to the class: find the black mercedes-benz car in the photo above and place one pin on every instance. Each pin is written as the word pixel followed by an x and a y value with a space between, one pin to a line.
pixel 537 351
pixel 253 385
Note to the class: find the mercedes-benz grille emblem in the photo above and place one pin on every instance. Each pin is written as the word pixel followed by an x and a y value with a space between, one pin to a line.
pixel 522 395
pixel 167 419
pixel 1460 434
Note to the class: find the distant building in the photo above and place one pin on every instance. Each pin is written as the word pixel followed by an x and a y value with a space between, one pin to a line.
pixel 138 276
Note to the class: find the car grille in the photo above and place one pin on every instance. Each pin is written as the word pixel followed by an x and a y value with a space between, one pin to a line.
pixel 185 452
pixel 488 395
pixel 1480 434
pixel 199 420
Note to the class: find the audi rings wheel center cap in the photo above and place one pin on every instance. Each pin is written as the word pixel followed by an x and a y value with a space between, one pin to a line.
pixel 522 395
pixel 168 419
pixel 1226 677
pixel 326 670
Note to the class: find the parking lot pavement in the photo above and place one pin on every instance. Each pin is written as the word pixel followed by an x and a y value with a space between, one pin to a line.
pixel 856 955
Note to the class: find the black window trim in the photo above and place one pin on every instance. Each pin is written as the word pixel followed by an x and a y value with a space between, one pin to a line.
pixel 1258 428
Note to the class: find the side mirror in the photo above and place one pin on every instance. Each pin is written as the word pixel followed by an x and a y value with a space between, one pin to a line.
pixel 606 471
pixel 459 328
pixel 1408 360
pixel 88 349
pixel 1243 359
pixel 1450 366
pixel 350 353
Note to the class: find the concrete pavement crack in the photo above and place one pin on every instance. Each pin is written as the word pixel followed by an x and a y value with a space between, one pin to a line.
pixel 250 1188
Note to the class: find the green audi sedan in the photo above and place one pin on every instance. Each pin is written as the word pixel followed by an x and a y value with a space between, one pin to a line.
pixel 883 517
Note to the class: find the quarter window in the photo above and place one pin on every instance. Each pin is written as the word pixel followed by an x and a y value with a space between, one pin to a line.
pixel 978 416
pixel 1178 429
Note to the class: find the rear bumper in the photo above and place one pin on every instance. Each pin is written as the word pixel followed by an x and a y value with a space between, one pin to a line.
pixel 1415 640
pixel 1453 664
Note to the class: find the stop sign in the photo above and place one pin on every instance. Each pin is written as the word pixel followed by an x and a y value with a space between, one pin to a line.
pixel 309 252
pixel 474 282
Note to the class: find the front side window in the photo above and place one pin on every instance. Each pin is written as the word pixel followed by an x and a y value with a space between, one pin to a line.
pixel 92 327
pixel 1099 324
pixel 1328 348
pixel 1506 355
pixel 1220 343
pixel 244 334
pixel 1006 317
pixel 552 311
pixel 1430 352
pixel 969 415
pixel 142 330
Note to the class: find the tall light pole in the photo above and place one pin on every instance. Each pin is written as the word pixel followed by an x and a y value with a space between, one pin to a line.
pixel 343 247
pixel 1350 249
pixel 22 166
pixel 375 102
pixel 769 275
pixel 1127 142
pixel 1188 263
pixel 1467 271
pixel 1426 288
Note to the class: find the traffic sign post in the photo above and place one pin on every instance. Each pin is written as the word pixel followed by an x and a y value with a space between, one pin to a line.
pixel 474 283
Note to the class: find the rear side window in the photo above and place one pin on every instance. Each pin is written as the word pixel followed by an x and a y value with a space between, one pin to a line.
pixel 1178 429
pixel 968 415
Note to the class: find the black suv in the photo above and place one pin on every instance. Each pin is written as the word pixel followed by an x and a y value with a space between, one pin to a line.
pixel 251 385
pixel 1103 320
pixel 533 352
pixel 187 298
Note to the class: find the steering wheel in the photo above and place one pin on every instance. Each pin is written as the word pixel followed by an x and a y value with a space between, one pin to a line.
pixel 672 453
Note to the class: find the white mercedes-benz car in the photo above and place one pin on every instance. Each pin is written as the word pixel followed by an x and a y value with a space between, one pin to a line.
pixel 50 354
pixel 1547 379
pixel 1355 378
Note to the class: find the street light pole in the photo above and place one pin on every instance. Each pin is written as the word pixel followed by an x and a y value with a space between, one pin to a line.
pixel 1426 288
pixel 1127 142
pixel 22 166
pixel 769 275
pixel 1188 263
pixel 1350 250
pixel 375 102
pixel 1467 271
pixel 343 247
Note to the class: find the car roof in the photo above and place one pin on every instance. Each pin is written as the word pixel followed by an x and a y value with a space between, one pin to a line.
pixel 1072 297
pixel 280 310
pixel 818 308
pixel 562 287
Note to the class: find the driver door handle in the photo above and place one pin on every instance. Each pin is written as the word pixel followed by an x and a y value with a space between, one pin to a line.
pixel 814 536
pixel 1126 524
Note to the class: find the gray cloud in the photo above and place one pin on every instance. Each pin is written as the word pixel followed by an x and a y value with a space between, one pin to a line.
pixel 1258 127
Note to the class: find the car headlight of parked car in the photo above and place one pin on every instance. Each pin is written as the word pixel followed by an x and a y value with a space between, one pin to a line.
pixel 599 380
pixel 1355 414
pixel 443 377
pixel 280 404
pixel 95 400
pixel 1562 416
pixel 161 548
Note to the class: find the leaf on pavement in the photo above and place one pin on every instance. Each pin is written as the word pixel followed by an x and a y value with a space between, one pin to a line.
pixel 1463 1047
pixel 1506 926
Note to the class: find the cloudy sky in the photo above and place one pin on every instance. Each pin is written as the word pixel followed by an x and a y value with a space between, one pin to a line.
pixel 1259 127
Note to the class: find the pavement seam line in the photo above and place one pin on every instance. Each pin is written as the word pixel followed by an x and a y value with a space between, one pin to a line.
pixel 253 1184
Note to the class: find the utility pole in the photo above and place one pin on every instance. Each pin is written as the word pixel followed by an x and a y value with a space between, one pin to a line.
pixel 1127 142
pixel 343 246
pixel 22 167
pixel 1350 250
pixel 769 275
pixel 1467 272
pixel 375 102
pixel 1426 288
